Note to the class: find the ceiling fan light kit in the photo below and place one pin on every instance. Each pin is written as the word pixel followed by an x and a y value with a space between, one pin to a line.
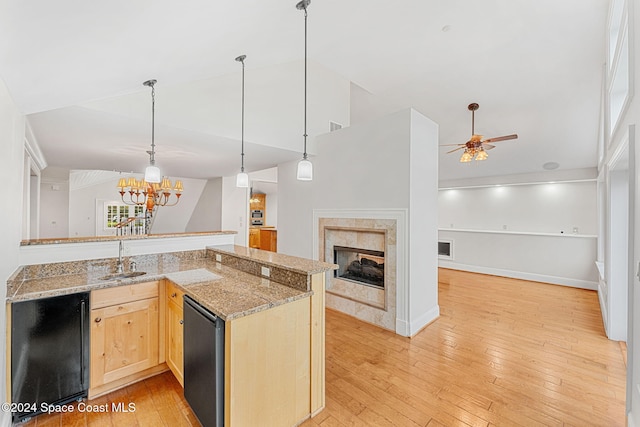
pixel 476 147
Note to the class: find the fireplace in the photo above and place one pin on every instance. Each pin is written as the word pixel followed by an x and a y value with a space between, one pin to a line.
pixel 362 266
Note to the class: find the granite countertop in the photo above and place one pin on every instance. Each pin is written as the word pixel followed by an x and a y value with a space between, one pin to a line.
pixel 52 241
pixel 287 262
pixel 227 292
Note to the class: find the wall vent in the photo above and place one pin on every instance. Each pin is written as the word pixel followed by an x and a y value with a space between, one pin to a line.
pixel 445 249
pixel 334 126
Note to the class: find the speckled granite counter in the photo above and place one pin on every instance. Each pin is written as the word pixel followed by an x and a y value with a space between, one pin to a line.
pixel 226 290
pixel 59 240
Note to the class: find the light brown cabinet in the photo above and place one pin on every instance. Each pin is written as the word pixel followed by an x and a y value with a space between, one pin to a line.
pixel 175 332
pixel 124 336
pixel 269 239
pixel 258 201
pixel 254 237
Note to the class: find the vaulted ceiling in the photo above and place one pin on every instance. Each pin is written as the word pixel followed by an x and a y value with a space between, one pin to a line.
pixel 76 69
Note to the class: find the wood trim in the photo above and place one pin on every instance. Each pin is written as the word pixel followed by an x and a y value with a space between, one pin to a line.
pixel 267 369
pixel 162 324
pixel 317 350
pixel 126 381
pixel 123 294
pixel 8 354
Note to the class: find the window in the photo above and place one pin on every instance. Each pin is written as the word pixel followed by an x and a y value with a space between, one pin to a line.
pixel 116 212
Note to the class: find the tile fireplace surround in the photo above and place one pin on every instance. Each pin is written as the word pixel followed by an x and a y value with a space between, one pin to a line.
pixel 377 306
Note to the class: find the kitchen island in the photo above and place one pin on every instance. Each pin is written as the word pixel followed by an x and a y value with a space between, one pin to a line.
pixel 272 304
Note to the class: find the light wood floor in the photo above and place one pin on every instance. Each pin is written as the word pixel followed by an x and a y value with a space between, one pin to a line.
pixel 504 352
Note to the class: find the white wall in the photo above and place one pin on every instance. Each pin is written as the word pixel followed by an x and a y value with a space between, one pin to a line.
pixel 544 208
pixel 362 166
pixel 54 209
pixel 383 164
pixel 12 125
pixel 524 231
pixel 207 215
pixel 365 106
pixel 235 209
pixel 423 220
pixel 85 200
pixel 629 117
pixel 220 115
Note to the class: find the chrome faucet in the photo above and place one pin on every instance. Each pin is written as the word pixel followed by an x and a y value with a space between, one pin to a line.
pixel 119 265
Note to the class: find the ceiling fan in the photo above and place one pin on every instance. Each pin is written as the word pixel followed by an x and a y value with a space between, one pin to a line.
pixel 476 146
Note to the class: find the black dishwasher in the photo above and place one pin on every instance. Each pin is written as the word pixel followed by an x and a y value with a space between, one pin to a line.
pixel 49 352
pixel 204 363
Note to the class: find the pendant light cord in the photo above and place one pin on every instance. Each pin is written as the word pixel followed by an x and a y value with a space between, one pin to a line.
pixel 304 156
pixel 242 126
pixel 153 124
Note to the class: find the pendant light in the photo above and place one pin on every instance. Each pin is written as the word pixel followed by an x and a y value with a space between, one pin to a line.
pixel 242 179
pixel 305 168
pixel 152 172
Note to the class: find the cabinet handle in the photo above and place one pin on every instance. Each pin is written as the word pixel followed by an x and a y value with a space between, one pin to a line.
pixel 173 295
pixel 181 321
pixel 98 319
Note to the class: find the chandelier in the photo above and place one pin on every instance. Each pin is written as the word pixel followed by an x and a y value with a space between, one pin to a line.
pixel 149 195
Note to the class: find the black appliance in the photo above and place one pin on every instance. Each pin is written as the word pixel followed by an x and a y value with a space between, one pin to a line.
pixel 204 363
pixel 49 352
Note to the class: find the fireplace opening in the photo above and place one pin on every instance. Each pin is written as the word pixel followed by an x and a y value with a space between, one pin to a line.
pixel 363 266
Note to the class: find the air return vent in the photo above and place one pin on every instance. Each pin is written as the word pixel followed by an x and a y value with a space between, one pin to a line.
pixel 445 249
pixel 334 126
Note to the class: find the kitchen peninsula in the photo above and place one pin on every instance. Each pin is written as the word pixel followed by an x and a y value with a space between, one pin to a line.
pixel 272 306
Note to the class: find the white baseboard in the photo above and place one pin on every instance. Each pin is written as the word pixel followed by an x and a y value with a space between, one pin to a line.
pixel 630 422
pixel 402 327
pixel 603 310
pixel 422 321
pixel 554 280
pixel 407 329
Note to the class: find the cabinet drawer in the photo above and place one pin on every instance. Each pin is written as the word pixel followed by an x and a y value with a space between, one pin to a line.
pixel 174 294
pixel 123 294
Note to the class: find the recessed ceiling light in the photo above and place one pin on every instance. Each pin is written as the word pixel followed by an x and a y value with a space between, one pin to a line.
pixel 446 28
pixel 550 166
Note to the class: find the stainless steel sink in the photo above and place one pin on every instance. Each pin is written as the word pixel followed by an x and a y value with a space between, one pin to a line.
pixel 129 275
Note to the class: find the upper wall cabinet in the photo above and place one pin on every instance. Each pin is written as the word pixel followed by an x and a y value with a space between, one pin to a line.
pixel 619 84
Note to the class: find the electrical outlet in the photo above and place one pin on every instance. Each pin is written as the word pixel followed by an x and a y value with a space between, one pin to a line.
pixel 218 258
pixel 266 272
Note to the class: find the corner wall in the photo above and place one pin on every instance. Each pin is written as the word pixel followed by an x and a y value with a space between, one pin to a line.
pixel 384 164
pixel 12 133
pixel 207 215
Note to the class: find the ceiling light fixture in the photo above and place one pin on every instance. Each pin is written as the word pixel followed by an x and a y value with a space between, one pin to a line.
pixel 152 172
pixel 242 179
pixel 305 168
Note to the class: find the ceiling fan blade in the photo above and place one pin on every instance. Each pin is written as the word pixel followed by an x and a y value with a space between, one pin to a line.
pixel 450 145
pixel 488 146
pixel 501 138
pixel 455 149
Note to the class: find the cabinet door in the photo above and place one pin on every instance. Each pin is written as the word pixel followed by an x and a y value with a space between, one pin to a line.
pixel 124 340
pixel 254 238
pixel 174 339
